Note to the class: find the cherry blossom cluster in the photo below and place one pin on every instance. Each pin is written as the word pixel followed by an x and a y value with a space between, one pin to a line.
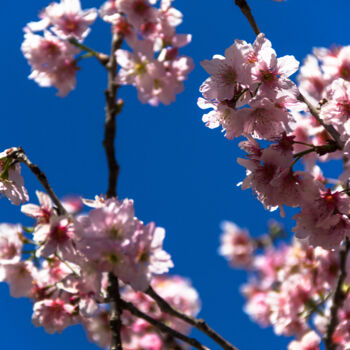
pixel 251 96
pixel 51 55
pixel 138 334
pixel 153 66
pixel 289 285
pixel 62 262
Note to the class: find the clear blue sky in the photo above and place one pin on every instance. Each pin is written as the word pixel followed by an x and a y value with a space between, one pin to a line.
pixel 181 175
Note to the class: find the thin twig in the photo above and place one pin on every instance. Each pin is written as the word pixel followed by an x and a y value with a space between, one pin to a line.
pixel 198 323
pixel 329 128
pixel 338 297
pixel 112 110
pixel 19 155
pixel 161 326
pixel 244 7
pixel 102 58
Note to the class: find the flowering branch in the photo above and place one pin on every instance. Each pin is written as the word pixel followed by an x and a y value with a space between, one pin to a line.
pixel 338 297
pixel 244 7
pixel 19 155
pixel 198 323
pixel 112 110
pixel 161 326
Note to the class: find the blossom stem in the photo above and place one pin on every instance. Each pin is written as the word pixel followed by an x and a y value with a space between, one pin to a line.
pixel 102 58
pixel 112 110
pixel 338 297
pixel 161 326
pixel 19 155
pixel 200 324
pixel 329 128
pixel 244 7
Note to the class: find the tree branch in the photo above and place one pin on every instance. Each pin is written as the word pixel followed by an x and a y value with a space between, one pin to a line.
pixel 112 110
pixel 198 323
pixel 338 297
pixel 161 326
pixel 244 7
pixel 19 155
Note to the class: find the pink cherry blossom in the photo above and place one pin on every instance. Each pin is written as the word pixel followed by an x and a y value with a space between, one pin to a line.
pixel 53 314
pixel 309 341
pixel 41 213
pixel 68 19
pixel 11 243
pixel 236 245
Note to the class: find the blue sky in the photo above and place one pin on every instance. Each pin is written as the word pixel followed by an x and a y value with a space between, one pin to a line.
pixel 181 175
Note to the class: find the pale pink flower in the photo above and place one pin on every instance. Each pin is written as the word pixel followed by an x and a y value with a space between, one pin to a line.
pixel 56 237
pixel 335 63
pixel 264 119
pixel 337 109
pixel 19 276
pixel 312 82
pixel 69 20
pixel 272 179
pixel 226 72
pixel 256 306
pixel 53 314
pixel 109 11
pixel 269 71
pixel 155 81
pixel 11 181
pixel 138 12
pixel 10 243
pixel 73 204
pixel 236 245
pixel 52 61
pixel 45 53
pixel 43 212
pixel 309 341
pixel 151 342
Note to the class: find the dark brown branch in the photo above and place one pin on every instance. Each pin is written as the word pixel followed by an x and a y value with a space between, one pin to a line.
pixel 329 128
pixel 198 323
pixel 338 297
pixel 115 322
pixel 162 327
pixel 112 110
pixel 19 155
pixel 244 7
